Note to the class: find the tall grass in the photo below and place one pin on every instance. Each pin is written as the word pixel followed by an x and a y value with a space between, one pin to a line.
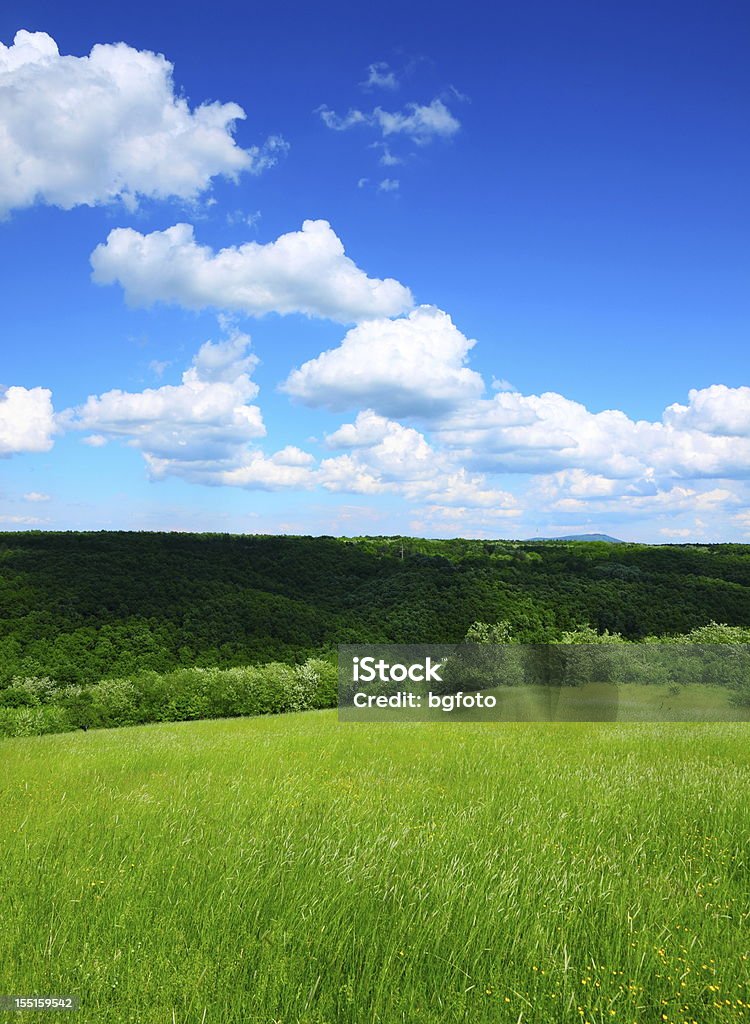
pixel 292 869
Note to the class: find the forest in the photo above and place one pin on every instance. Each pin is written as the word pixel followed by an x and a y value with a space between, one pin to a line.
pixel 82 607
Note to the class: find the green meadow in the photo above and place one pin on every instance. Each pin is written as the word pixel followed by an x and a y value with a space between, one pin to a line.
pixel 296 869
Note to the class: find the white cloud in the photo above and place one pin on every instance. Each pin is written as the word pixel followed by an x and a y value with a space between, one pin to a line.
pixel 386 456
pixel 350 474
pixel 36 496
pixel 303 271
pixel 422 123
pixel 382 447
pixel 380 75
pixel 743 521
pixel 413 366
pixel 539 433
pixel 652 498
pixel 293 456
pixel 387 159
pixel 27 422
pixel 678 499
pixel 367 430
pixel 602 470
pixel 108 126
pixel 543 433
pixel 288 468
pixel 23 520
pixel 389 185
pixel 201 430
pixel 203 423
pixel 249 468
pixel 459 488
pixel 470 514
pixel 580 484
pixel 713 410
pixel 341 124
pixel 569 505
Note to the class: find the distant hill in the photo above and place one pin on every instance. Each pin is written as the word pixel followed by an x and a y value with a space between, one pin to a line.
pixel 587 536
pixel 81 607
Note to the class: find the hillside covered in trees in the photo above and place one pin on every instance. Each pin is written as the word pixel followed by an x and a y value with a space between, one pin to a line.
pixel 82 606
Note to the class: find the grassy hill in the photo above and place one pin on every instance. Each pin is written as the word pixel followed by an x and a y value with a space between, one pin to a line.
pixel 83 606
pixel 293 869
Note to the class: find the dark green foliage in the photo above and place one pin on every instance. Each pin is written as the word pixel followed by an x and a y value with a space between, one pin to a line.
pixel 79 607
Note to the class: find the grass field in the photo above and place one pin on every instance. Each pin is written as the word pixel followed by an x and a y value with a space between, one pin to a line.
pixel 290 868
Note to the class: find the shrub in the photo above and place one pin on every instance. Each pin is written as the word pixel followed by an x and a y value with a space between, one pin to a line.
pixel 33 721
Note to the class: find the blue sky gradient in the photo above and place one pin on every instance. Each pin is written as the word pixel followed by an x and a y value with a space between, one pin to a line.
pixel 585 221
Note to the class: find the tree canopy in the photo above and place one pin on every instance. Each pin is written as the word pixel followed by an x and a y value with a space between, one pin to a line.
pixel 79 607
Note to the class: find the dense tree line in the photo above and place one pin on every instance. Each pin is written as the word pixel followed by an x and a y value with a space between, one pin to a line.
pixel 491 655
pixel 81 607
pixel 33 706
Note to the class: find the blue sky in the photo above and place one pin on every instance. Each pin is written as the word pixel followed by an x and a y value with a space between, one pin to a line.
pixel 519 304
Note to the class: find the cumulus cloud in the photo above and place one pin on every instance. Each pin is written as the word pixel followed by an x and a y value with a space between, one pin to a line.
pixel 713 410
pixel 386 456
pixel 288 468
pixel 459 488
pixel 422 123
pixel 36 496
pixel 202 430
pixel 543 433
pixel 574 490
pixel 579 484
pixel 203 423
pixel 539 433
pixel 384 447
pixel 248 468
pixel 107 126
pixel 303 271
pixel 27 420
pixel 596 469
pixel 367 430
pixel 412 366
pixel 683 499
